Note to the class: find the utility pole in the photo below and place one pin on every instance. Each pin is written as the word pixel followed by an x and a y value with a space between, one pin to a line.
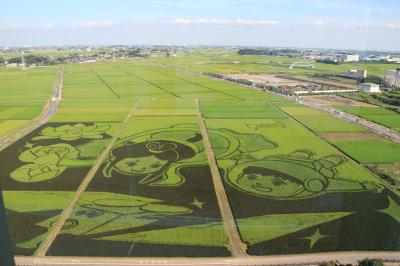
pixel 22 60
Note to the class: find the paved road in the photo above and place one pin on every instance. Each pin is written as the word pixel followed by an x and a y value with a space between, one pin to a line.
pixel 48 112
pixel 393 258
pixel 376 128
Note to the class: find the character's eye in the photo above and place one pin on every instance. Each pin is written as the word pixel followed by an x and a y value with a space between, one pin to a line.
pixel 252 177
pixel 130 164
pixel 278 182
pixel 155 165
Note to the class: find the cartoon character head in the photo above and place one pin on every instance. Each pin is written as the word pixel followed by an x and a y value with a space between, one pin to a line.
pixel 292 176
pixel 147 160
pixel 44 162
pixel 259 180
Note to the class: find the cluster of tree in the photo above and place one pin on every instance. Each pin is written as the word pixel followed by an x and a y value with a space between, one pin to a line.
pixel 365 262
pixel 214 75
pixel 15 60
pixel 241 81
pixel 135 53
pixel 387 98
pixel 32 59
pixel 323 75
pixel 371 79
pixel 328 61
pixel 37 60
pixel 248 51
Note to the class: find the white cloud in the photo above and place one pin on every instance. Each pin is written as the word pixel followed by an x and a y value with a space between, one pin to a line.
pixel 238 21
pixel 48 26
pixel 107 23
pixel 393 26
pixel 318 23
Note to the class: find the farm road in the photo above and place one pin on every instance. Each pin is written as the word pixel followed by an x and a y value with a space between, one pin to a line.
pixel 390 259
pixel 45 245
pixel 373 127
pixel 235 244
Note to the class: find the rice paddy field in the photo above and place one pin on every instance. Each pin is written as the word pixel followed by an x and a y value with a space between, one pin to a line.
pixel 375 114
pixel 23 95
pixel 122 170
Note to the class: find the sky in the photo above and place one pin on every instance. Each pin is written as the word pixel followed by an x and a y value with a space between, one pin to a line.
pixel 341 24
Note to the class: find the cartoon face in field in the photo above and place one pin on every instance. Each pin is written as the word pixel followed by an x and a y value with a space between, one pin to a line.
pixel 147 160
pixel 140 165
pixel 294 176
pixel 266 181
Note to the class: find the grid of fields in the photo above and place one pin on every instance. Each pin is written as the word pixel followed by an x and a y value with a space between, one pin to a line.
pixel 133 81
pixel 130 133
pixel 23 94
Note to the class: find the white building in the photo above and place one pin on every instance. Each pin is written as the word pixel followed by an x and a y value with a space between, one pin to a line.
pixel 392 78
pixel 368 87
pixel 350 57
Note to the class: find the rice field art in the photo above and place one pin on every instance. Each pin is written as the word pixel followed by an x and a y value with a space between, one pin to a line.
pixel 293 177
pixel 288 198
pixel 153 196
pixel 43 171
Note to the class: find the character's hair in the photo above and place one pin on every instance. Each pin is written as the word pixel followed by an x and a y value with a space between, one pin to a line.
pixel 267 171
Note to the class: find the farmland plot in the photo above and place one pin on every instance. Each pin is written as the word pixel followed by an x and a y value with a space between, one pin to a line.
pixel 291 192
pixel 153 196
pixel 375 114
pixel 42 172
pixel 23 95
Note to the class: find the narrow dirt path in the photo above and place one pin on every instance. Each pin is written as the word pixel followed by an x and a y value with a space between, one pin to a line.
pixel 45 245
pixel 235 244
pixel 48 112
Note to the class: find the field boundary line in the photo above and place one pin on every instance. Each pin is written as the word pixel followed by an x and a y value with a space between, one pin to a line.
pixel 371 126
pixel 235 244
pixel 195 83
pixel 104 82
pixel 149 82
pixel 67 211
pixel 387 185
pixel 49 110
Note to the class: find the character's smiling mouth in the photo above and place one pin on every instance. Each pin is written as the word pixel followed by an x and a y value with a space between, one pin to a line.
pixel 262 188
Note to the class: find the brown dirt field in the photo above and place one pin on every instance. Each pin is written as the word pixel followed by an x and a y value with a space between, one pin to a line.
pixel 350 136
pixel 334 100
pixel 273 79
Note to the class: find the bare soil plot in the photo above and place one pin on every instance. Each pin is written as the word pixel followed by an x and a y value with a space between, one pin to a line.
pixel 349 136
pixel 272 79
pixel 334 100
